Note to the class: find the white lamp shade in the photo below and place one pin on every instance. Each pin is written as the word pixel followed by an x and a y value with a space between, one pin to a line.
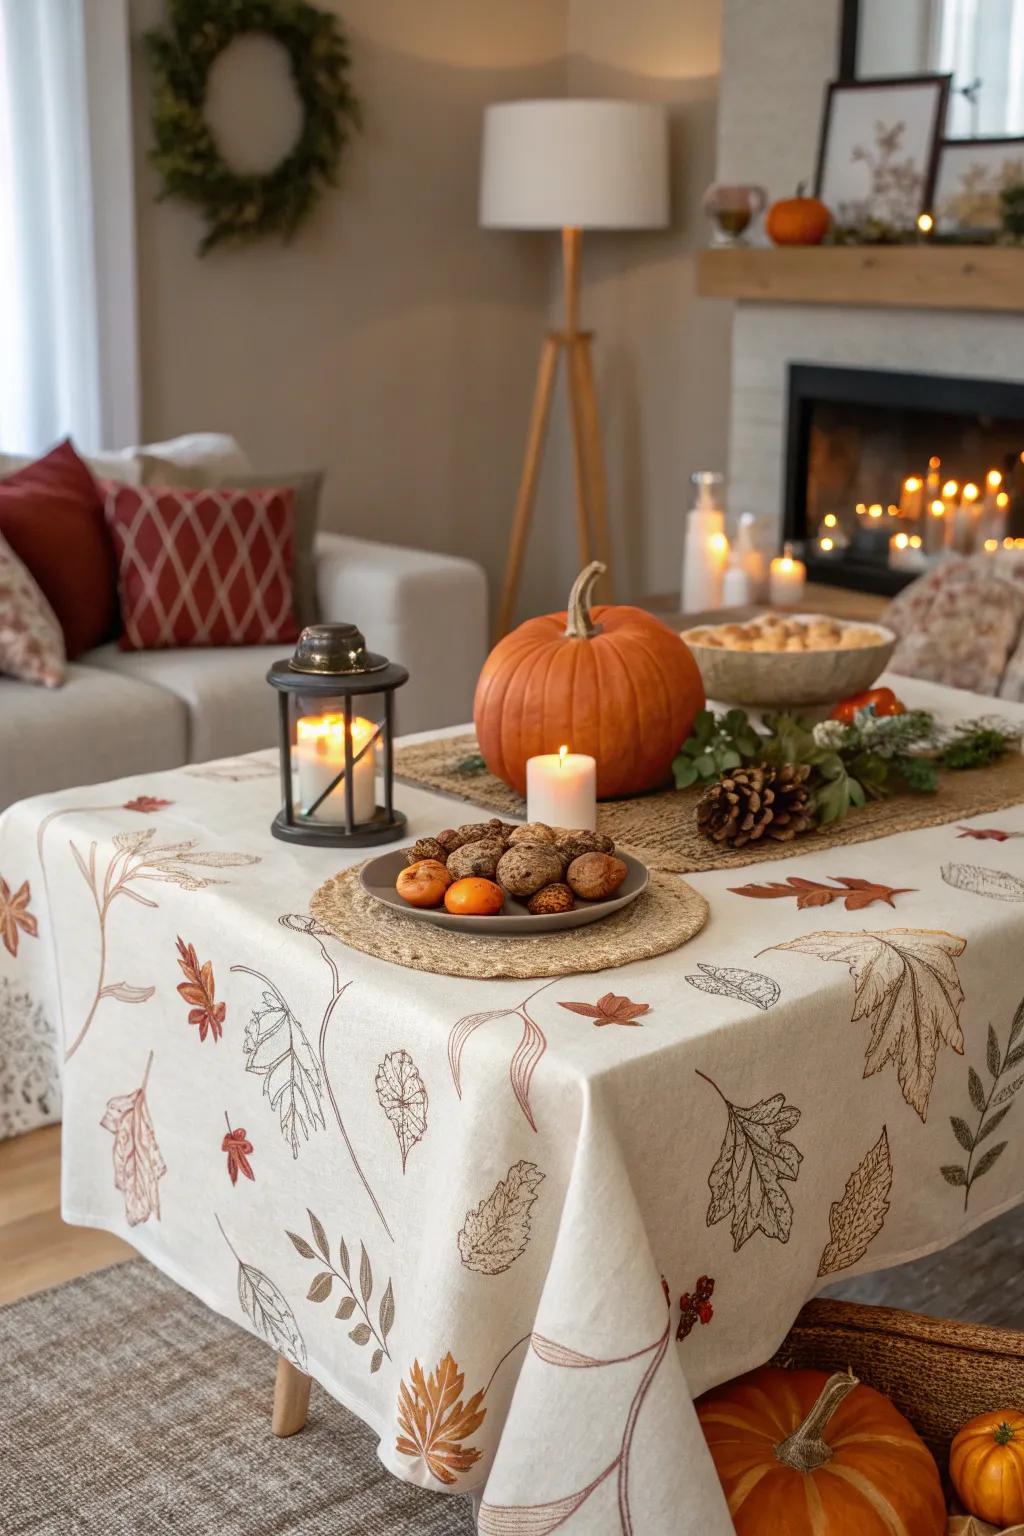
pixel 581 164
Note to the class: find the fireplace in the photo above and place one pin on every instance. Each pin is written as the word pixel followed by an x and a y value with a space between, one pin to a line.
pixel 888 472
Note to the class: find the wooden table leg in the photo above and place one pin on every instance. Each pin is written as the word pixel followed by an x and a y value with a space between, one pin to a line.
pixel 291 1399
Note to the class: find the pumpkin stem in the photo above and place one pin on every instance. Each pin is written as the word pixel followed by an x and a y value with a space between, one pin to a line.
pixel 578 623
pixel 801 188
pixel 805 1450
pixel 1003 1433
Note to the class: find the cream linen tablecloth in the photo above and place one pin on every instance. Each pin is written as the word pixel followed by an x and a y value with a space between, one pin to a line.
pixel 474 1207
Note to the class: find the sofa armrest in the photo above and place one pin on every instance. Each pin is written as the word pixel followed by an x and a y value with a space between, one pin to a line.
pixel 426 611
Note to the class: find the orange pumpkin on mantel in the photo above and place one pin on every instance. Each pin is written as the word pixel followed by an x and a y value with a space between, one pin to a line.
pixel 802 1453
pixel 798 220
pixel 615 683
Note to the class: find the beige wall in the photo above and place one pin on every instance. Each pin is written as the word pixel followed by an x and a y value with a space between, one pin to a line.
pixel 395 341
pixel 662 355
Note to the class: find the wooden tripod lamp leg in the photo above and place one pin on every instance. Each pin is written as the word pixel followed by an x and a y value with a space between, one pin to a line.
pixel 291 1399
pixel 528 483
pixel 582 376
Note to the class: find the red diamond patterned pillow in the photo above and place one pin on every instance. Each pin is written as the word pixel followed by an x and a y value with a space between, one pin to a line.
pixel 203 567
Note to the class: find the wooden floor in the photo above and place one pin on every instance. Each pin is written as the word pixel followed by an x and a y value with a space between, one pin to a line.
pixel 38 1249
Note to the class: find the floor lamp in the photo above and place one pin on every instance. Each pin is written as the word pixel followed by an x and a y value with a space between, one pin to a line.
pixel 570 165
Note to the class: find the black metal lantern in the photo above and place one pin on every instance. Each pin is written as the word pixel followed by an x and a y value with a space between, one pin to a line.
pixel 330 751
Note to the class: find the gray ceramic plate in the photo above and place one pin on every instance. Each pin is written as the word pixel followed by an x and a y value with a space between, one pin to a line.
pixel 379 875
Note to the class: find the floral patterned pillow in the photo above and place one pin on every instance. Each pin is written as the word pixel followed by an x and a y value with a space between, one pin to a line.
pixel 31 639
pixel 960 624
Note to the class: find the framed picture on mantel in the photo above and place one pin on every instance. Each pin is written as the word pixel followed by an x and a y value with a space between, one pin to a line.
pixel 879 148
pixel 971 179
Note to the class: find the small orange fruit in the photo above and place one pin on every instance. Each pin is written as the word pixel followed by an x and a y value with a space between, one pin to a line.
pixel 474 897
pixel 424 883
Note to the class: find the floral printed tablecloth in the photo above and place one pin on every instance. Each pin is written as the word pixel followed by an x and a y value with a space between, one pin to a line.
pixel 516 1227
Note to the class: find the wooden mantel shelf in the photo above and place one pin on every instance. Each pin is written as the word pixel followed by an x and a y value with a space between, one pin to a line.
pixel 909 276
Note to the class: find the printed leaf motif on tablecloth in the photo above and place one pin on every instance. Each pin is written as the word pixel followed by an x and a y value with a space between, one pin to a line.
pixel 138 1164
pixel 854 894
pixel 696 1307
pixel 497 1231
pixel 989 834
pixel 906 986
pixel 435 1421
pixel 277 1050
pixel 532 1045
pixel 998 884
pixel 991 1106
pixel 266 1307
pixel 322 1286
pixel 402 1095
pixel 198 990
pixel 239 1150
pixel 856 1220
pixel 746 1182
pixel 731 981
pixel 15 915
pixel 610 1009
pixel 146 805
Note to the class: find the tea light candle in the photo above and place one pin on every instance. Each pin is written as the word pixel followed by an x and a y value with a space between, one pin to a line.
pixel 912 497
pixel 320 757
pixel 561 789
pixel 786 578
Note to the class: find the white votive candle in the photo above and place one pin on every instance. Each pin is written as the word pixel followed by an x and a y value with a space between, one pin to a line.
pixel 786 579
pixel 561 789
pixel 320 756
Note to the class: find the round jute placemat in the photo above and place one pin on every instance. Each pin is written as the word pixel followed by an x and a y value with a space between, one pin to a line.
pixel 667 914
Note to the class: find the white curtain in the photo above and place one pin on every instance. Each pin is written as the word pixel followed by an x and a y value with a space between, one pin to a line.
pixel 982 43
pixel 68 362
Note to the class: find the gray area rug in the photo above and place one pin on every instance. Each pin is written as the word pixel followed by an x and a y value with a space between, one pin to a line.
pixel 127 1408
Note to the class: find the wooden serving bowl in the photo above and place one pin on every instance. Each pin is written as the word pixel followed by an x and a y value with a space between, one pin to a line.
pixel 790 679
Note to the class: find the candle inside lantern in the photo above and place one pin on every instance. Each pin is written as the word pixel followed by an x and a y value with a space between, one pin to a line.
pixel 561 789
pixel 320 757
pixel 786 578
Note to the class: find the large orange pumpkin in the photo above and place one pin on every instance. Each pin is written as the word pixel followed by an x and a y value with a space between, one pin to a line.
pixel 801 1453
pixel 615 683
pixel 986 1466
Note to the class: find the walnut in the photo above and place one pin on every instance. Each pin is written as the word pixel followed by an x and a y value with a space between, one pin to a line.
pixel 551 898
pixel 532 832
pixel 479 858
pixel 528 866
pixel 449 840
pixel 425 848
pixel 572 844
pixel 473 832
pixel 596 876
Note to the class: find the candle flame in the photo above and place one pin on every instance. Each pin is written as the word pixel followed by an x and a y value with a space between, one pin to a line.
pixel 328 731
pixel 925 223
pixel 830 520
pixel 827 545
pixel 563 753
pixel 950 489
pixel 875 510
pixel 937 509
pixel 915 541
pixel 1002 500
pixel 901 541
pixel 912 483
pixel 1007 543
pixel 971 492
pixel 991 545
pixel 934 463
pixel 719 543
pixel 994 478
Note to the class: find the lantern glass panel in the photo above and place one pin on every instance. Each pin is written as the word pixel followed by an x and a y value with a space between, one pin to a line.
pixel 318 726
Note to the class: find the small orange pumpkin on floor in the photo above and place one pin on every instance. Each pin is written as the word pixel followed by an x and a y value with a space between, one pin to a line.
pixel 986 1467
pixel 615 683
pixel 802 1453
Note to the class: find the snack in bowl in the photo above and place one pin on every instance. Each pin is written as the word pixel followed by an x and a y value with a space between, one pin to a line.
pixel 424 883
pixel 596 876
pixel 479 858
pixel 527 867
pixel 788 661
pixel 474 897
pixel 774 632
pixel 551 898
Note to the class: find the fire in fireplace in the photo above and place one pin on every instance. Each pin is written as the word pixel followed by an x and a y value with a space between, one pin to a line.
pixel 887 473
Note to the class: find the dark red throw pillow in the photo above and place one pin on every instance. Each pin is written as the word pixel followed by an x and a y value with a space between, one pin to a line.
pixel 203 567
pixel 51 514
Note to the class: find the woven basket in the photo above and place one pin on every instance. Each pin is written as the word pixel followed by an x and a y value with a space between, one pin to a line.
pixel 939 1374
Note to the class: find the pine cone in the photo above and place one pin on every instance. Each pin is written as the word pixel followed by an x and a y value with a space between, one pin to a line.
pixel 756 803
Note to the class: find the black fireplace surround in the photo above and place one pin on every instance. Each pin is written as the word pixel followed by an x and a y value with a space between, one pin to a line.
pixel 853 435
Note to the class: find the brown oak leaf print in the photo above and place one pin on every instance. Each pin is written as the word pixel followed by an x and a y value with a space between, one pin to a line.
pixel 609 1010
pixel 854 894
pixel 435 1421
pixel 906 986
pixel 146 804
pixel 198 990
pixel 239 1150
pixel 497 1231
pixel 138 1164
pixel 402 1095
pixel 15 915
pixel 987 834
pixel 856 1220
pixel 746 1182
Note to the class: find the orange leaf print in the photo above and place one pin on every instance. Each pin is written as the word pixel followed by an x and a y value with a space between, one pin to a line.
pixel 854 894
pixel 610 1010
pixel 14 914
pixel 435 1421
pixel 199 991
pixel 146 804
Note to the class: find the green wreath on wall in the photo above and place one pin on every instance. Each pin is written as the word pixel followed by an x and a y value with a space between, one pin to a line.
pixel 242 208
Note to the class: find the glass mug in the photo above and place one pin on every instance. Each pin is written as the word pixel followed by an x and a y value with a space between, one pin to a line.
pixel 731 211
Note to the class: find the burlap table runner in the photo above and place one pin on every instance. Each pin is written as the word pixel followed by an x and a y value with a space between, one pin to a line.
pixel 660 828
pixel 667 914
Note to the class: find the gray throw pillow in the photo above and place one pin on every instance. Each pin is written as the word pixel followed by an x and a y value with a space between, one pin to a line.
pixel 307 485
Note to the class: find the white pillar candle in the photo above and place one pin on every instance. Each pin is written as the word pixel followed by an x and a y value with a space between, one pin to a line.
pixel 320 757
pixel 705 556
pixel 786 579
pixel 561 789
pixel 912 497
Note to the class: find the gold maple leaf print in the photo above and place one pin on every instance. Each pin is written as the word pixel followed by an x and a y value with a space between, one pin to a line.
pixel 436 1422
pixel 14 914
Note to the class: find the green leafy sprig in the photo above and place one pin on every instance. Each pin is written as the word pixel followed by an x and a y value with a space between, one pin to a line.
pixel 716 744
